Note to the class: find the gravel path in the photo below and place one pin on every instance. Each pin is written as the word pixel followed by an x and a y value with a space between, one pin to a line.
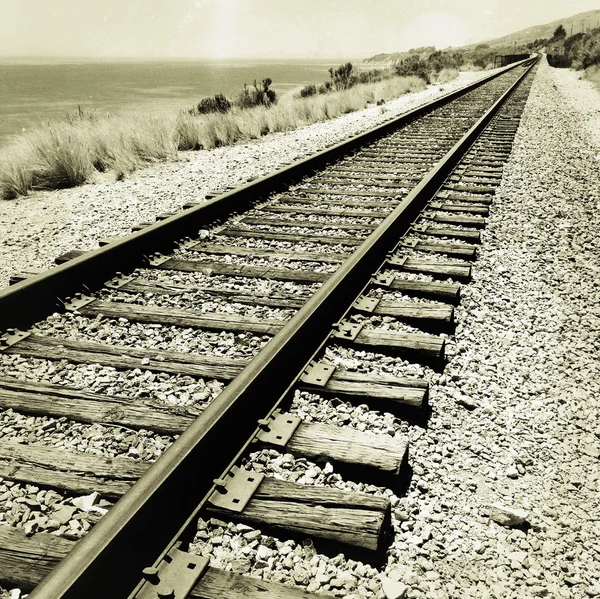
pixel 36 229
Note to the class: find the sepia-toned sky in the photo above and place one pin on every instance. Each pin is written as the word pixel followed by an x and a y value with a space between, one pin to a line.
pixel 261 28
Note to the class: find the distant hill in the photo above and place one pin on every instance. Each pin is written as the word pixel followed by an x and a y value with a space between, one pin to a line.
pixel 574 24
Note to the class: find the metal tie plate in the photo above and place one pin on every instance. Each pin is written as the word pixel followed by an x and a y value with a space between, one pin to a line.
pixel 235 490
pixel 157 259
pixel 119 281
pixel 348 331
pixel 366 304
pixel 177 574
pixel 278 429
pixel 317 373
pixel 73 304
pixel 382 280
pixel 408 243
pixel 11 337
pixel 397 261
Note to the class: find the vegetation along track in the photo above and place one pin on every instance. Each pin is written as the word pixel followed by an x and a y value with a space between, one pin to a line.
pixel 359 248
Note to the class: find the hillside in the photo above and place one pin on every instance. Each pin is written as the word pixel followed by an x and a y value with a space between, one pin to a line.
pixel 523 37
pixel 572 25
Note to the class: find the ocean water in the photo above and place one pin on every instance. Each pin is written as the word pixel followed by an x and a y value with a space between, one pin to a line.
pixel 34 91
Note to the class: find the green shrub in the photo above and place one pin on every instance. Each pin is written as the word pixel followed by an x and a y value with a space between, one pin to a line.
pixel 216 103
pixel 343 77
pixel 444 76
pixel 414 65
pixel 309 90
pixel 259 96
pixel 71 153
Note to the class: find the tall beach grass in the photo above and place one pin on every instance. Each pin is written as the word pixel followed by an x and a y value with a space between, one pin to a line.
pixel 71 153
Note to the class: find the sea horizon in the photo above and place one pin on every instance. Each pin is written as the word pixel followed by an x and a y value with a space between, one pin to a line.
pixel 37 90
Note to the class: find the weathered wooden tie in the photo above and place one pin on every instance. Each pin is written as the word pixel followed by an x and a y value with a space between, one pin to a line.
pixel 350 518
pixel 439 290
pixel 303 209
pixel 350 192
pixel 25 560
pixel 418 344
pixel 365 182
pixel 380 453
pixel 459 250
pixel 208 267
pixel 305 224
pixel 350 203
pixel 343 383
pixel 383 389
pixel 45 399
pixel 471 208
pixel 455 219
pixel 223 250
pixel 463 197
pixel 428 345
pixel 438 231
pixel 437 268
pixel 359 521
pixel 291 237
pixel 380 458
pixel 75 472
pixel 419 312
pixel 470 188
pixel 211 321
pixel 276 300
pixel 125 358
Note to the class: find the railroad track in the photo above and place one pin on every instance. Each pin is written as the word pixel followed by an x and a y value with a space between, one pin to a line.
pixel 248 327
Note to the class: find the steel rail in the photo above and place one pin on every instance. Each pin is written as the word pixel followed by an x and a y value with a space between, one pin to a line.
pixel 36 297
pixel 108 561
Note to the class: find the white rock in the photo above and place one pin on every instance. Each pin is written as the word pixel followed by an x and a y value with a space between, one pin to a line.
pixel 512 472
pixel 86 502
pixel 393 589
pixel 507 516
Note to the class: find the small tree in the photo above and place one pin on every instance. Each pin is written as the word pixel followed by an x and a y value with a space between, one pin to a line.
pixel 559 33
pixel 261 95
pixel 343 77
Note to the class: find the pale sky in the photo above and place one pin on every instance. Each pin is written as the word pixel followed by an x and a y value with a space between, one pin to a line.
pixel 261 28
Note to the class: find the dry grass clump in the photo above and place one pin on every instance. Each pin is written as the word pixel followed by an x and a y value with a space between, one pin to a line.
pixel 593 74
pixel 469 66
pixel 444 76
pixel 71 153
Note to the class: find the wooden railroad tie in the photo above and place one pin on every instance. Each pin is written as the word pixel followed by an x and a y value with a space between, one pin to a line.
pixel 291 237
pixel 398 393
pixel 25 560
pixel 303 209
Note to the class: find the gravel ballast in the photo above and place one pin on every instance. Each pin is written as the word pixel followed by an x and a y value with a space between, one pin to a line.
pixel 504 496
